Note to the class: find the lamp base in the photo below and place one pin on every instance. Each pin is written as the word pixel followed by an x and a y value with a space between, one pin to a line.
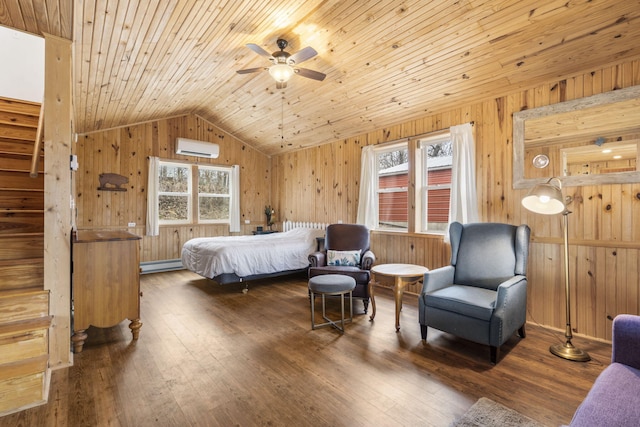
pixel 569 352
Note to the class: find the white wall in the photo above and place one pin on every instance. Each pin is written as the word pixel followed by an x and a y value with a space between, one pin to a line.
pixel 22 70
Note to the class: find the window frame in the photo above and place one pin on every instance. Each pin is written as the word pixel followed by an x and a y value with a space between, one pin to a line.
pixel 422 179
pixel 193 193
pixel 198 194
pixel 378 151
pixel 188 194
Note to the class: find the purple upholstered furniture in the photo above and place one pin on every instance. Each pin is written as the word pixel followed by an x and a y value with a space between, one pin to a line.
pixel 614 399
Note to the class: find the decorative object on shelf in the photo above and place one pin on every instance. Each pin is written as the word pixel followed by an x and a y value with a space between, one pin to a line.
pixel 269 213
pixel 547 199
pixel 114 181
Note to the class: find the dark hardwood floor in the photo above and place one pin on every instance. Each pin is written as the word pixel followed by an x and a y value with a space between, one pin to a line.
pixel 210 355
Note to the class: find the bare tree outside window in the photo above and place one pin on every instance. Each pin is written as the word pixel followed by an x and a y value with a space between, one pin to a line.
pixel 443 149
pixel 173 197
pixel 207 188
pixel 213 194
pixel 392 158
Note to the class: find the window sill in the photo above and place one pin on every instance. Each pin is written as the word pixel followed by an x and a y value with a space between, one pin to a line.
pixel 409 234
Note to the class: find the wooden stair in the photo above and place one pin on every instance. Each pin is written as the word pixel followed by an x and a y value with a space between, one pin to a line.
pixel 24 303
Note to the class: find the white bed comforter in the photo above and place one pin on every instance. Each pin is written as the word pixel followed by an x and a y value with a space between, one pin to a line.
pixel 249 255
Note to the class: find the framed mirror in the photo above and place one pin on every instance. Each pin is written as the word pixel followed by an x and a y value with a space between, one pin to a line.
pixel 588 141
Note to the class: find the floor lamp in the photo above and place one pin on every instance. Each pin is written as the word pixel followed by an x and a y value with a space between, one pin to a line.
pixel 547 199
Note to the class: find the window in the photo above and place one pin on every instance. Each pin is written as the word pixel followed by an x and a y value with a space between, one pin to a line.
pixel 214 194
pixel 183 186
pixel 436 159
pixel 441 184
pixel 393 182
pixel 174 193
pixel 433 181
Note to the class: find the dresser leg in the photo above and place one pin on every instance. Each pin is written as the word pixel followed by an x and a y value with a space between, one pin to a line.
pixel 135 326
pixel 78 338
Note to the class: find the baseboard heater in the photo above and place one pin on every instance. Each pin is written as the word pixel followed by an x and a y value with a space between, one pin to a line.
pixel 159 266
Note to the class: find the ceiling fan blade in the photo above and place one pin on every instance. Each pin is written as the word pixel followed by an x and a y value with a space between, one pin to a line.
pixel 302 55
pixel 260 51
pixel 251 70
pixel 310 74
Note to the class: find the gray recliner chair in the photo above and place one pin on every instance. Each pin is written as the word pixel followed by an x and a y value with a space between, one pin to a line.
pixel 482 295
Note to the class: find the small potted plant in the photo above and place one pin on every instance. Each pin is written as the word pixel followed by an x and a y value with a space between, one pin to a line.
pixel 269 213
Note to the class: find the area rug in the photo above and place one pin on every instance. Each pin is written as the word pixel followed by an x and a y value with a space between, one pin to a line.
pixel 485 412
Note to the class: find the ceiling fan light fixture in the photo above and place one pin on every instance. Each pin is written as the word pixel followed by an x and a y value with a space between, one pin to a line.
pixel 281 72
pixel 283 64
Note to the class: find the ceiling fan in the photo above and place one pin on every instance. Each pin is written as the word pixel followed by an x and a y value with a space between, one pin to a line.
pixel 284 63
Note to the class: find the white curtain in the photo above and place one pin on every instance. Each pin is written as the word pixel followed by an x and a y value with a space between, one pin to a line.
pixel 463 206
pixel 234 204
pixel 153 229
pixel 368 202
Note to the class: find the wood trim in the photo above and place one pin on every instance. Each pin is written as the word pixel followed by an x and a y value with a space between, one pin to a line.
pixel 588 243
pixel 57 183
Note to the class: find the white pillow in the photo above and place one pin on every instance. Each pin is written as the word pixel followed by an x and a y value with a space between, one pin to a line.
pixel 351 258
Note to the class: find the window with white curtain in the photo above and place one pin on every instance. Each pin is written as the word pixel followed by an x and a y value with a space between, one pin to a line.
pixel 434 181
pixel 190 194
pixel 442 169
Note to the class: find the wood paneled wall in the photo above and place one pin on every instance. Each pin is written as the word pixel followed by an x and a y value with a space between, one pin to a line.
pixel 321 184
pixel 125 151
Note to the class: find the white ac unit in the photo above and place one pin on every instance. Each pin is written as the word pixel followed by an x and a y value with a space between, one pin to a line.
pixel 191 147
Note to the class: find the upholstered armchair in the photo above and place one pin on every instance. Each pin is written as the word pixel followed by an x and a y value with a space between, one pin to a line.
pixel 482 295
pixel 346 251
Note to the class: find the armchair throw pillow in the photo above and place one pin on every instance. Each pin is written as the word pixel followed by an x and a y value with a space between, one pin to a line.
pixel 350 258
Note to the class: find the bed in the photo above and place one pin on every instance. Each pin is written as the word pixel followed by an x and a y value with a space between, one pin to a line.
pixel 232 259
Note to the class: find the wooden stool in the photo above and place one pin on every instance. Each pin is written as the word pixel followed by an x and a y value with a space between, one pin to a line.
pixel 331 284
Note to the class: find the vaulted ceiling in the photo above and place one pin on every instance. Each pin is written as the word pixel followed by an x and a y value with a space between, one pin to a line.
pixel 386 61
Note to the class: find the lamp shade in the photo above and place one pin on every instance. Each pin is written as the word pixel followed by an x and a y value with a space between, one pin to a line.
pixel 544 199
pixel 281 72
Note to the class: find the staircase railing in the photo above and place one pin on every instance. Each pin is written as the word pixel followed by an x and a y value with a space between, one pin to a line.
pixel 37 147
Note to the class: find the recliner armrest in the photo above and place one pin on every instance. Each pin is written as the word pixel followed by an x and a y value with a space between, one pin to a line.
pixel 507 291
pixel 510 309
pixel 367 260
pixel 318 259
pixel 626 340
pixel 511 281
pixel 438 279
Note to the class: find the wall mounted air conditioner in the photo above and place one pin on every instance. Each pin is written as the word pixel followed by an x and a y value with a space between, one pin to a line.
pixel 191 147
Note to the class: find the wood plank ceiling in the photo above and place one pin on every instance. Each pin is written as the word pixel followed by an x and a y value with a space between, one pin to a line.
pixel 386 61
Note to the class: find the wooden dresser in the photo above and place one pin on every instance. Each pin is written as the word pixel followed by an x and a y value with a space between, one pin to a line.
pixel 106 282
